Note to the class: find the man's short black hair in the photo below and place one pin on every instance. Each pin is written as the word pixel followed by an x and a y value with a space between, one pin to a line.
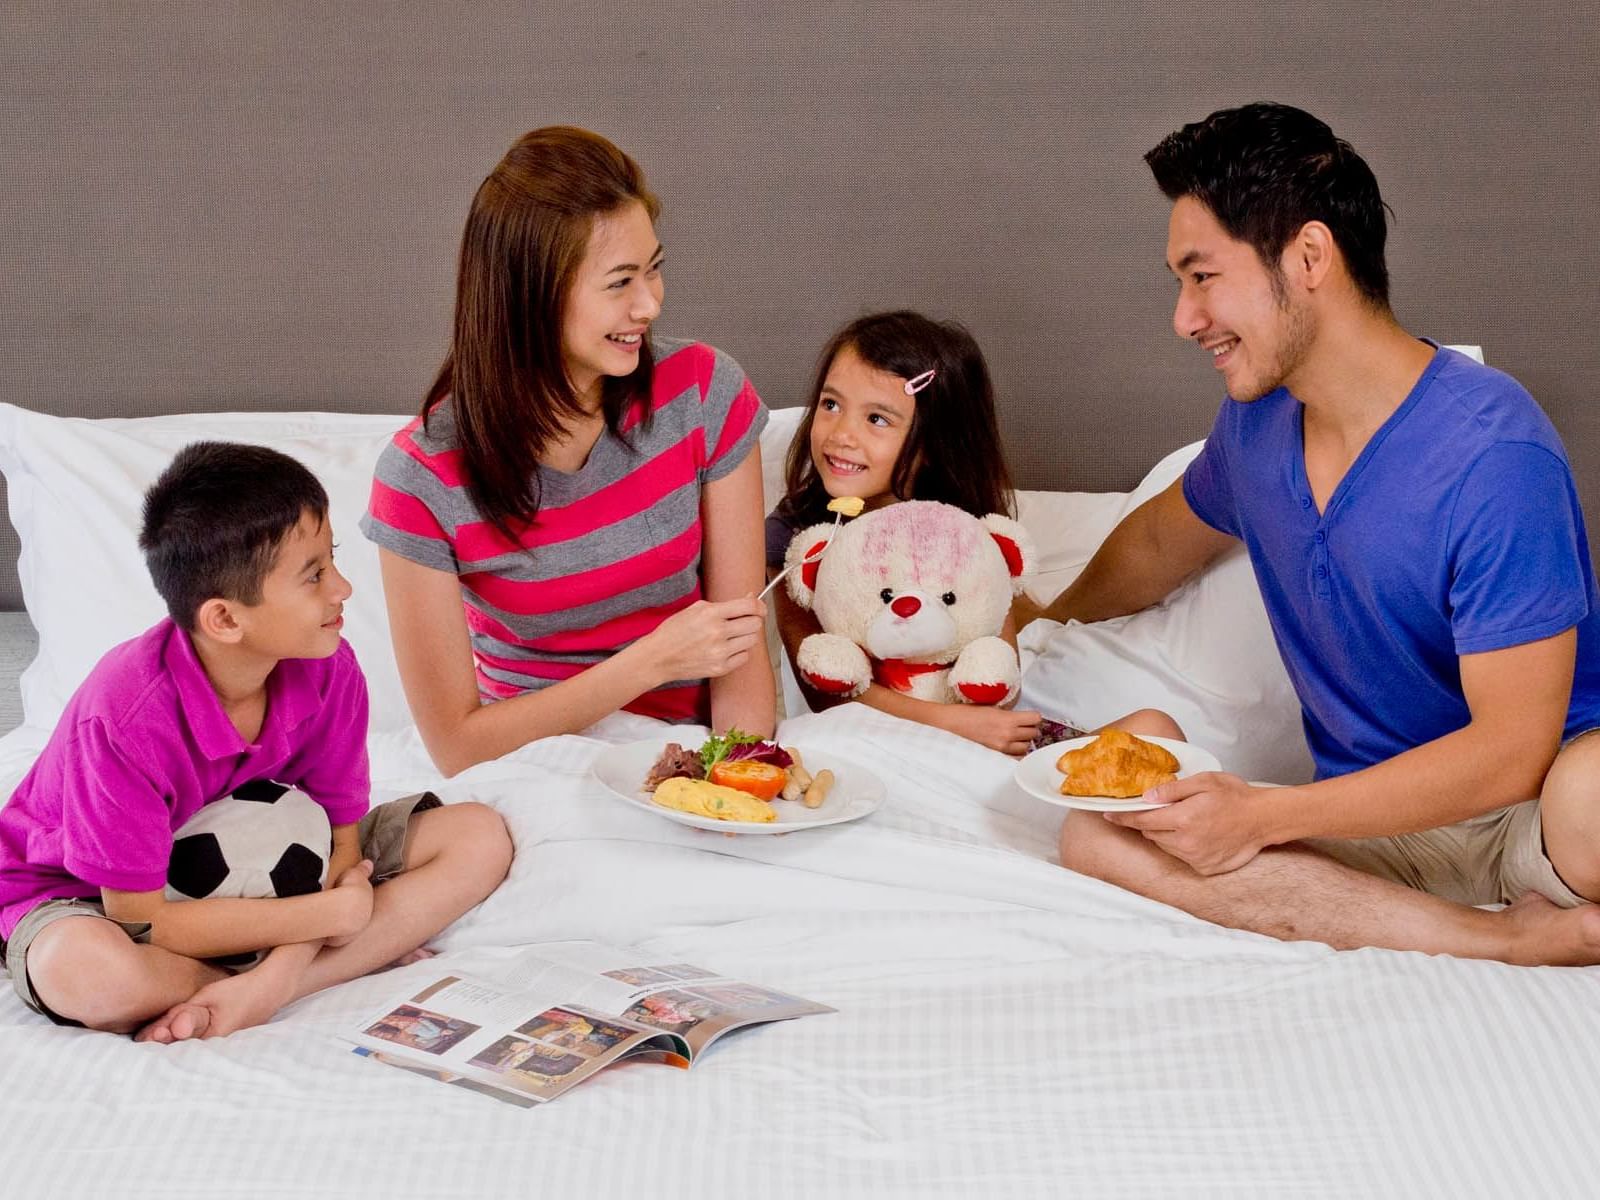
pixel 1264 170
pixel 214 521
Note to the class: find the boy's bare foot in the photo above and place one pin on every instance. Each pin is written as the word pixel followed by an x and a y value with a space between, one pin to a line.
pixel 229 1004
pixel 179 1023
pixel 1541 933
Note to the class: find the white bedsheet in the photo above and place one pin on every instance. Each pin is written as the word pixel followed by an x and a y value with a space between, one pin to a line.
pixel 1005 1028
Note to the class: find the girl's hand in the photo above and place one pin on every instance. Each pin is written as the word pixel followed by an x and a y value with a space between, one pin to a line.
pixel 997 728
pixel 706 640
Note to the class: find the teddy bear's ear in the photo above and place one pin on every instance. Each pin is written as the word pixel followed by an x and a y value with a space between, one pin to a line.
pixel 805 549
pixel 1016 546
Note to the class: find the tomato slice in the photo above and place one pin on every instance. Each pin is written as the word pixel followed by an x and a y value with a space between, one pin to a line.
pixel 757 778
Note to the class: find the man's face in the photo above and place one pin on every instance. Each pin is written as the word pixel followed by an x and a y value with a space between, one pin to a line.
pixel 1248 318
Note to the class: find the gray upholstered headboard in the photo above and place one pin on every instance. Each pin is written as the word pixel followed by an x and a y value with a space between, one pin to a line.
pixel 255 206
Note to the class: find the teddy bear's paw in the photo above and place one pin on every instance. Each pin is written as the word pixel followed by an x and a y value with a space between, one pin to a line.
pixel 986 672
pixel 832 687
pixel 984 693
pixel 833 665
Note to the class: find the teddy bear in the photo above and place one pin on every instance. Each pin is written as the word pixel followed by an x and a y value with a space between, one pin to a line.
pixel 912 596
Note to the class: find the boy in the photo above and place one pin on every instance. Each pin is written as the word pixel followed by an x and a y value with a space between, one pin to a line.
pixel 248 679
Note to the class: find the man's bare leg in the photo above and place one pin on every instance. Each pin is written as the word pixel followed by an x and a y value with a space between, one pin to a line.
pixel 1148 722
pixel 87 969
pixel 1293 893
pixel 1569 812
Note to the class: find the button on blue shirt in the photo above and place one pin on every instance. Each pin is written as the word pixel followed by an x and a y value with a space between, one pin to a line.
pixel 1456 531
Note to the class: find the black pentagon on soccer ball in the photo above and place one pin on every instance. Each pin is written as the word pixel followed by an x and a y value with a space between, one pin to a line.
pixel 298 872
pixel 235 960
pixel 260 789
pixel 197 867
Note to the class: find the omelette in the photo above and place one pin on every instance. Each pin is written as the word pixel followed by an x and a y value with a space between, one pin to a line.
pixel 705 799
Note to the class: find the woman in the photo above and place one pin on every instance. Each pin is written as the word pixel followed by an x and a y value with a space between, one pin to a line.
pixel 573 525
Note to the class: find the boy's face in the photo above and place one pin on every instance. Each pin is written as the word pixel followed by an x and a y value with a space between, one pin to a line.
pixel 302 598
pixel 1233 306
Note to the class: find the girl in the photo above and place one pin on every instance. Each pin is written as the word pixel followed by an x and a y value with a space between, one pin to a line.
pixel 572 525
pixel 902 408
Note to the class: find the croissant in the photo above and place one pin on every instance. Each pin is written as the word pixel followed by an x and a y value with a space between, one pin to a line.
pixel 1115 764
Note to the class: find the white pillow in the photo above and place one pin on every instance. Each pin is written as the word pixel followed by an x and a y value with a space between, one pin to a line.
pixel 782 424
pixel 76 487
pixel 1205 655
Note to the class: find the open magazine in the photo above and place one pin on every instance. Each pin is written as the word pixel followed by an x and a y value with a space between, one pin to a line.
pixel 556 1014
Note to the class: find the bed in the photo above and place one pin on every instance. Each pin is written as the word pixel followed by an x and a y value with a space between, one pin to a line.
pixel 1004 1027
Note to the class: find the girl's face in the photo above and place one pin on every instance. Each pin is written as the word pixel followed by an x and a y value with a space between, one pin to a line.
pixel 861 422
pixel 615 295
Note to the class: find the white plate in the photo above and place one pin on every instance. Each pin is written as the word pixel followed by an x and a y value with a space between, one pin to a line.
pixel 856 791
pixel 1037 774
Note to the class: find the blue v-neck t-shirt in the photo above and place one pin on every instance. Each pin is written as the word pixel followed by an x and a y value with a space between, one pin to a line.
pixel 1456 531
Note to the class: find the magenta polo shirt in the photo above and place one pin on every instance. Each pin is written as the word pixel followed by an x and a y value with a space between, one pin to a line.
pixel 144 743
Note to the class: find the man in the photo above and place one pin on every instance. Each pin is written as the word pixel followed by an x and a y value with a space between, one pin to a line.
pixel 1413 524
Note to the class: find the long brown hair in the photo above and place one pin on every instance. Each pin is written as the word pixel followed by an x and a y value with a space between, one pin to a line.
pixel 952 452
pixel 504 376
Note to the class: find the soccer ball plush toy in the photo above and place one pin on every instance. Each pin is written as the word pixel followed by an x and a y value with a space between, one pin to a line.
pixel 912 596
pixel 266 839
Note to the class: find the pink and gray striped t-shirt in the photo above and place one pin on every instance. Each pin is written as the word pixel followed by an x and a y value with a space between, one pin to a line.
pixel 614 549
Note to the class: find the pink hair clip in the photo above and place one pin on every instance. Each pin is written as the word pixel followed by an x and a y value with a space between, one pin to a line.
pixel 913 386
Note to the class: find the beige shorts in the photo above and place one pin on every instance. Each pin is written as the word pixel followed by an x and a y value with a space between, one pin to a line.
pixel 1488 859
pixel 383 833
pixel 1493 858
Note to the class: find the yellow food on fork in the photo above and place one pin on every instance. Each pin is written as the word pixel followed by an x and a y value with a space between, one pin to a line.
pixel 704 799
pixel 847 506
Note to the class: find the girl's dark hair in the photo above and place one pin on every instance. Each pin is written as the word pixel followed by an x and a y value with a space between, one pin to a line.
pixel 214 520
pixel 1264 170
pixel 504 376
pixel 952 451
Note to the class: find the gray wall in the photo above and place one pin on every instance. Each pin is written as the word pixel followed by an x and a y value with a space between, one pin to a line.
pixel 256 206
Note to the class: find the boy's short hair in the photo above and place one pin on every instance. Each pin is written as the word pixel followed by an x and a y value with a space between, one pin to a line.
pixel 215 518
pixel 1264 170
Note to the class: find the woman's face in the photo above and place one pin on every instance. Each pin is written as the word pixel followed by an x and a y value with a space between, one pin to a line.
pixel 861 422
pixel 615 295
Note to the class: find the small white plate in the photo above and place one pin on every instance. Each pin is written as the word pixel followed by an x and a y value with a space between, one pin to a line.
pixel 1037 774
pixel 856 791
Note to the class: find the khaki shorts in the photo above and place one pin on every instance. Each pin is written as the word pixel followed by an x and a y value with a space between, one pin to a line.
pixel 383 833
pixel 1488 859
pixel 1492 858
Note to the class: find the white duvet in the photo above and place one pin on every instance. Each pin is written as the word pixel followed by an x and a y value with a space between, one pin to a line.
pixel 1005 1028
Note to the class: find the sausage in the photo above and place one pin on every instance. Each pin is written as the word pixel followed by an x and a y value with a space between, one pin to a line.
pixel 821 784
pixel 799 778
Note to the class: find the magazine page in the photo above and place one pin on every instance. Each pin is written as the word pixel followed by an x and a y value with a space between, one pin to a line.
pixel 679 998
pixel 525 1046
pixel 552 1016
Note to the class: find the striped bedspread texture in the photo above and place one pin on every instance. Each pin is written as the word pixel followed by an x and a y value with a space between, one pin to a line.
pixel 1004 1027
